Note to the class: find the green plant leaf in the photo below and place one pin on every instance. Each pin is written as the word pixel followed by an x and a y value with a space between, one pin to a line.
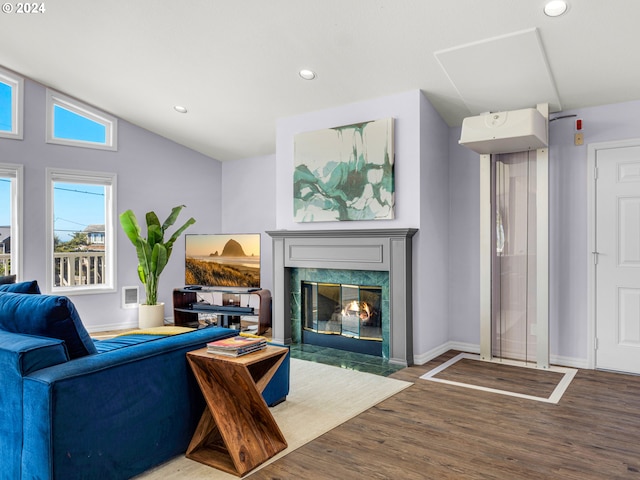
pixel 159 259
pixel 130 226
pixel 173 216
pixel 178 232
pixel 152 219
pixel 154 234
pixel 141 275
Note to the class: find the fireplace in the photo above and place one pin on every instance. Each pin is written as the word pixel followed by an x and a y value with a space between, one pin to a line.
pixel 343 316
pixel 364 258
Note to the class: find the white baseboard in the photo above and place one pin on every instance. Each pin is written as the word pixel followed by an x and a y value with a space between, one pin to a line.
pixel 107 327
pixel 425 357
pixel 130 324
pixel 569 362
pixel 445 347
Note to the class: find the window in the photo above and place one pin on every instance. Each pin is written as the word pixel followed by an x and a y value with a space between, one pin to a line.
pixel 70 122
pixel 81 235
pixel 10 219
pixel 11 95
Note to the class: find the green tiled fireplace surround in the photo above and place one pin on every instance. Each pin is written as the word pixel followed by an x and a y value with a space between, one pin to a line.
pixel 347 277
pixel 353 252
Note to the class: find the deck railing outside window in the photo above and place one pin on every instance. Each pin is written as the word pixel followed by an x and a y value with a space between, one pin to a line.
pixel 5 263
pixel 79 268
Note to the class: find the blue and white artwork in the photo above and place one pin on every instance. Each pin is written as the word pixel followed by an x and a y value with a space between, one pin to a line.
pixel 344 173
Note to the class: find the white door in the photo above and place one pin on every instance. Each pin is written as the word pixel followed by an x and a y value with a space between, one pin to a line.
pixel 618 259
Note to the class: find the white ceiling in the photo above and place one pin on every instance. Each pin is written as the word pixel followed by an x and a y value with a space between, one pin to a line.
pixel 234 63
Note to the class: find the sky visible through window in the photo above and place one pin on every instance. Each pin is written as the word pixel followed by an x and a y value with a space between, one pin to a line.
pixel 76 206
pixel 5 107
pixel 71 126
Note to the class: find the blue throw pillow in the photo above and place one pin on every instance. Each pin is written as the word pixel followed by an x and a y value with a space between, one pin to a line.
pixel 47 316
pixel 7 279
pixel 22 287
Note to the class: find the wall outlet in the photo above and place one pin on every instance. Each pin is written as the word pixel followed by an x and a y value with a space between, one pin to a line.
pixel 534 329
pixel 578 139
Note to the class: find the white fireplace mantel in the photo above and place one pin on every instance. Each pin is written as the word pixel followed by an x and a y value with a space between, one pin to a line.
pixel 385 249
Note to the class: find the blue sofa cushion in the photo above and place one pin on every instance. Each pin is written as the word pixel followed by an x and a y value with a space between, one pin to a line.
pixel 7 279
pixel 47 316
pixel 21 287
pixel 122 341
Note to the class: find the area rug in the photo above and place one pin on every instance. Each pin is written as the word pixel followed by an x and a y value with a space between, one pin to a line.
pixel 321 398
pixel 504 377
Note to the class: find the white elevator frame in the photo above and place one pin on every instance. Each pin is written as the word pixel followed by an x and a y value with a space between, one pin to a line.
pixel 542 253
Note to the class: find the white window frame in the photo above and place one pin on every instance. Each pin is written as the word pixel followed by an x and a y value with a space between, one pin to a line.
pixel 108 180
pixel 108 121
pixel 15 172
pixel 17 103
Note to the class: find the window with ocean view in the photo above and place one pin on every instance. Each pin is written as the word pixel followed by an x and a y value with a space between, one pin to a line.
pixel 81 231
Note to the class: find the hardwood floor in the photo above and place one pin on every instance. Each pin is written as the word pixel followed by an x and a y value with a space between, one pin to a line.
pixel 439 431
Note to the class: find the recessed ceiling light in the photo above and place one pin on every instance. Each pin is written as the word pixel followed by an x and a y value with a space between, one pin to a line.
pixel 307 74
pixel 180 109
pixel 555 8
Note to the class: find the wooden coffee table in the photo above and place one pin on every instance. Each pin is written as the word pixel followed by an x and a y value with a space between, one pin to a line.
pixel 236 432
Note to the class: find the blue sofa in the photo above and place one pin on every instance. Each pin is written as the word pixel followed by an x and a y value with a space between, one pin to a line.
pixel 75 408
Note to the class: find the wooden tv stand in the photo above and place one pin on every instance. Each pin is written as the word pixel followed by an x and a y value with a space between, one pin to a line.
pixel 186 307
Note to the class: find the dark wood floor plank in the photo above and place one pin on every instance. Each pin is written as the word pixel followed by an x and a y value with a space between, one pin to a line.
pixel 438 431
pixel 526 381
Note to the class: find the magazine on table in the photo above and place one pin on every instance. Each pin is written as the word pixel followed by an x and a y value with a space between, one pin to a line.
pixel 238 345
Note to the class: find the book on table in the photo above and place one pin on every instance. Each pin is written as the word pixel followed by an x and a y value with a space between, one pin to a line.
pixel 236 346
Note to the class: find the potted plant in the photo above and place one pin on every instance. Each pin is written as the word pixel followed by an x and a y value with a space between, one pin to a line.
pixel 153 255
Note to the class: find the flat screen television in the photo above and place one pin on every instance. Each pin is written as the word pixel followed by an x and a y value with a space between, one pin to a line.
pixel 222 260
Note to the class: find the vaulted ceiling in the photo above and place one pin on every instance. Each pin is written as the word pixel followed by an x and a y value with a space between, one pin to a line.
pixel 234 63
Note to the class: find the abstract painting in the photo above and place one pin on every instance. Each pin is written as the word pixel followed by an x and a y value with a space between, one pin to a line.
pixel 344 173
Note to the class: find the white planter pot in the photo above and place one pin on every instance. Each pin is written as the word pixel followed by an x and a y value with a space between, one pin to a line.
pixel 150 316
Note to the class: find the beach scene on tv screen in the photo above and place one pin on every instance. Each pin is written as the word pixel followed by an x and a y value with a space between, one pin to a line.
pixel 222 260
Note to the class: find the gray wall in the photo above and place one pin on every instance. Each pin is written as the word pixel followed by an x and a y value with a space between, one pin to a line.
pixel 431 243
pixel 153 174
pixel 464 249
pixel 248 205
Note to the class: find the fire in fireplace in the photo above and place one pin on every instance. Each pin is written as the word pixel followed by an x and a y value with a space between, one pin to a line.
pixel 347 317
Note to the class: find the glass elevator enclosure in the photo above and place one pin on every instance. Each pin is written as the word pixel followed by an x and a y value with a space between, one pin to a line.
pixel 513 262
pixel 514 251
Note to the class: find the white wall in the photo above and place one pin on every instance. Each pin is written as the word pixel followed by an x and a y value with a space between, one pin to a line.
pixel 248 205
pixel 153 174
pixel 568 220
